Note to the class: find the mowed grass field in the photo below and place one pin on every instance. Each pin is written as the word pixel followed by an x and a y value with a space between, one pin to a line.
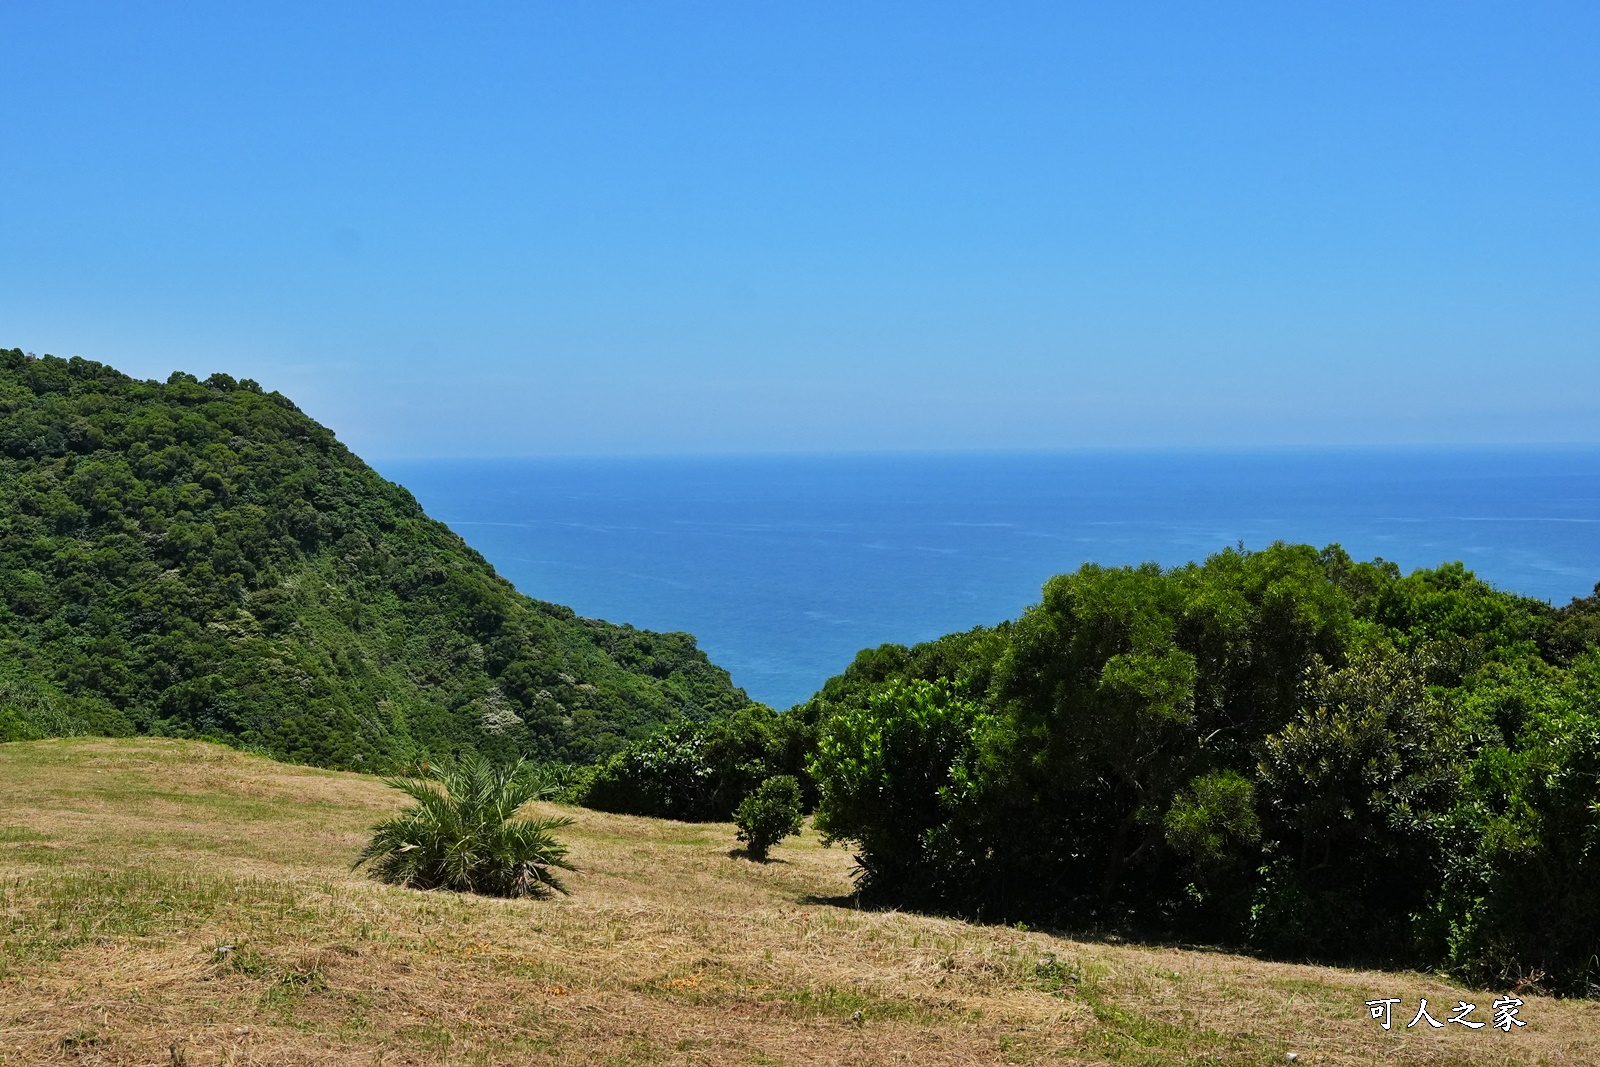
pixel 127 866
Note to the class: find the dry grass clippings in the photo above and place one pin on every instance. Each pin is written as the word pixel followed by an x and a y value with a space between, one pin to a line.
pixel 169 902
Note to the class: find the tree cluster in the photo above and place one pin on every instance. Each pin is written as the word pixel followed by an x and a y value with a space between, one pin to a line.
pixel 1284 749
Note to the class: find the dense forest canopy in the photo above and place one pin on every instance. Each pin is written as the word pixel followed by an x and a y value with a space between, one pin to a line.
pixel 1283 749
pixel 200 558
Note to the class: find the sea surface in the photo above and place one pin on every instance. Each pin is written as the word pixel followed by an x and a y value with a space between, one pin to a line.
pixel 785 566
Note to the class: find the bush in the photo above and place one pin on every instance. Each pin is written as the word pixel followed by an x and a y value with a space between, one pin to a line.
pixel 463 833
pixel 562 783
pixel 698 771
pixel 769 815
pixel 1521 899
pixel 665 776
pixel 892 773
pixel 32 708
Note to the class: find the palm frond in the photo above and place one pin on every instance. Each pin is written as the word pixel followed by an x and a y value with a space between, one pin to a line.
pixel 464 833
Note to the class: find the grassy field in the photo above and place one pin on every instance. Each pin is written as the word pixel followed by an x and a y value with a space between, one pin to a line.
pixel 169 902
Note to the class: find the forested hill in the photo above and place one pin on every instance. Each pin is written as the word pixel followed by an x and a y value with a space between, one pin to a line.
pixel 200 558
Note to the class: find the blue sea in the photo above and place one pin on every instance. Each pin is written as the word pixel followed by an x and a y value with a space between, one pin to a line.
pixel 785 566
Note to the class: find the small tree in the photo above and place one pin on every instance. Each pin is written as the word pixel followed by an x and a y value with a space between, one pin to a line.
pixel 769 815
pixel 463 833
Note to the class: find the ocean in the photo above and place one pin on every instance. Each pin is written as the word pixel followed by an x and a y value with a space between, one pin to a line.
pixel 785 566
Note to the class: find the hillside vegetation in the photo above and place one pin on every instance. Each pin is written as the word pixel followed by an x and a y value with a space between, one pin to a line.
pixel 1283 749
pixel 200 558
pixel 174 902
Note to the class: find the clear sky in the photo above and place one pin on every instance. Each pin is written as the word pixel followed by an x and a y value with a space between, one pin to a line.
pixel 521 229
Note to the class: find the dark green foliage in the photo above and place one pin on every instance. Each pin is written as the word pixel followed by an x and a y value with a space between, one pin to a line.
pixel 1522 863
pixel 463 833
pixel 563 783
pixel 893 773
pixel 665 776
pixel 769 815
pixel 31 708
pixel 1572 630
pixel 700 771
pixel 201 559
pixel 1212 819
pixel 1283 748
pixel 1353 788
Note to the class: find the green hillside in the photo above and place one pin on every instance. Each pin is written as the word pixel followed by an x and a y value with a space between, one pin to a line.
pixel 201 559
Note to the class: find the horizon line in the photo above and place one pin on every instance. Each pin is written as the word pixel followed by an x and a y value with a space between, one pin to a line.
pixel 999 452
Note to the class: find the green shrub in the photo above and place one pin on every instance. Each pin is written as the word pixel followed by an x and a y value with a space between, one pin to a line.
pixel 32 708
pixel 769 815
pixel 463 833
pixel 891 772
pixel 664 776
pixel 565 783
pixel 1521 896
pixel 698 771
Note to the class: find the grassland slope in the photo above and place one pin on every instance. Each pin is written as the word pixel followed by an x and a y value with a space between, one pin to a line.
pixel 166 902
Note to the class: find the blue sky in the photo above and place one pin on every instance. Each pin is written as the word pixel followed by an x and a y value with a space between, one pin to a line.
pixel 528 229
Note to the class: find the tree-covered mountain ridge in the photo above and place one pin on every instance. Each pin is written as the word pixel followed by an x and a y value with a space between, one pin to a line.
pixel 201 558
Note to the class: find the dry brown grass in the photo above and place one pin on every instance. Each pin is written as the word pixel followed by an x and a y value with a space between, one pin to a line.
pixel 124 865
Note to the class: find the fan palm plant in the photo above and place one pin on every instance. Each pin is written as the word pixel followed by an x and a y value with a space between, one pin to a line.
pixel 463 833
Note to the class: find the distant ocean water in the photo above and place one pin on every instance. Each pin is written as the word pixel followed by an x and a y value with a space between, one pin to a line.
pixel 784 567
